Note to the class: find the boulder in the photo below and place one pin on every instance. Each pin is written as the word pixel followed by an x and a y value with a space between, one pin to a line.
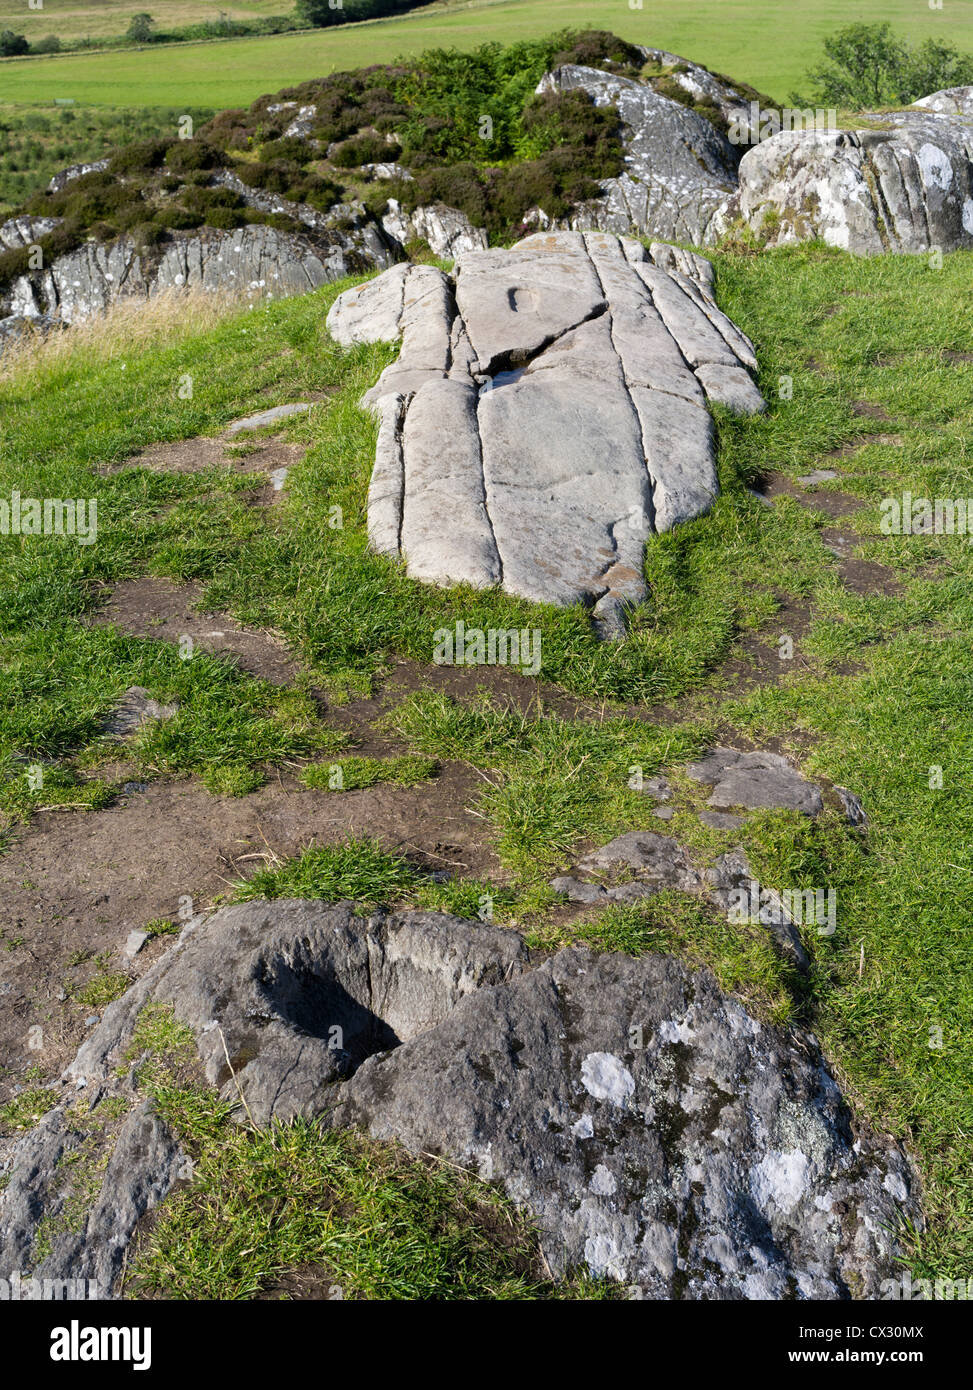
pixel 447 232
pixel 574 371
pixel 755 781
pixel 656 1132
pixel 952 101
pixel 903 184
pixel 75 171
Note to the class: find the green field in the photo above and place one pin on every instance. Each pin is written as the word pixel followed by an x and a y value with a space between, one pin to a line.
pixel 759 41
pixel 71 20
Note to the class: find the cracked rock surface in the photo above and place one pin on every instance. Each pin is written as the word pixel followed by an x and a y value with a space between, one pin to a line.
pixel 907 187
pixel 657 1132
pixel 547 412
pixel 258 262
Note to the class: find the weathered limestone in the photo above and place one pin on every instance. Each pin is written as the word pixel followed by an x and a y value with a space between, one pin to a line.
pixel 446 231
pixel 257 262
pixel 547 412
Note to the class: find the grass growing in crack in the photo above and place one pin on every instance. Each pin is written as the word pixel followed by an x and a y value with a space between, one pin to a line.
pixel 355 773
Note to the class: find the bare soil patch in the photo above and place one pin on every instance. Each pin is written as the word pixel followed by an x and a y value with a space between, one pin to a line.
pixel 75 885
pixel 166 611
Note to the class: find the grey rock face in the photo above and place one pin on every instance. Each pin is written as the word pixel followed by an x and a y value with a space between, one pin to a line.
pixel 448 232
pixel 124 1168
pixel 301 118
pixel 547 412
pixel 657 1133
pixel 24 231
pixel 257 262
pixel 680 169
pixel 952 101
pixel 701 84
pixel 74 171
pixel 263 418
pixel 18 325
pixel 905 188
pixel 135 709
pixel 286 998
pixel 756 781
pixel 658 859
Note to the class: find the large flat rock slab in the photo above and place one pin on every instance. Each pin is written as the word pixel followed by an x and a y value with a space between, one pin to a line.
pixel 548 412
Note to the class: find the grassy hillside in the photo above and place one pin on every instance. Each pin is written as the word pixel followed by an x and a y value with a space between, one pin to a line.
pixel 748 39
pixel 35 142
pixel 881 358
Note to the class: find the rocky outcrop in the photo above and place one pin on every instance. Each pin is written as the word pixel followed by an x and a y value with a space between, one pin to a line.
pixel 656 1131
pixel 19 232
pixel 257 262
pixel 79 1183
pixel 903 184
pixel 75 171
pixel 679 168
pixel 547 412
pixel 953 101
pixel 447 232
pixel 640 864
pixel 703 87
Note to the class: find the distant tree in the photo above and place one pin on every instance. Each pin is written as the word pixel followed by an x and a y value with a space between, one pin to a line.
pixel 49 44
pixel 141 28
pixel 11 44
pixel 933 66
pixel 320 12
pixel 324 12
pixel 869 66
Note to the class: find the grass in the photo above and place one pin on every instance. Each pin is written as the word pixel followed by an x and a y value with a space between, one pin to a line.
pixel 878 693
pixel 36 142
pixel 363 1220
pixel 356 1218
pixel 26 1108
pixel 359 869
pixel 104 986
pixel 79 19
pixel 744 38
pixel 740 956
pixel 551 782
pixel 357 773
